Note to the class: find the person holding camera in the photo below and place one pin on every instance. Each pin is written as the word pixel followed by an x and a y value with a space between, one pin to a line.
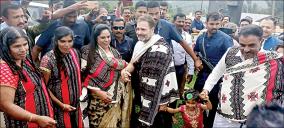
pixel 102 17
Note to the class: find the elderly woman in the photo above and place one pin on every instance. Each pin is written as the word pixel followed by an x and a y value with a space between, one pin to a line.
pixel 61 69
pixel 102 79
pixel 23 95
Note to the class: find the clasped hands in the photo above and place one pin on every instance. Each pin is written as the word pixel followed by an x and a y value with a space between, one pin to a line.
pixel 125 75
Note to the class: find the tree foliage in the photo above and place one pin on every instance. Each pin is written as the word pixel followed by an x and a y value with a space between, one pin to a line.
pixel 253 7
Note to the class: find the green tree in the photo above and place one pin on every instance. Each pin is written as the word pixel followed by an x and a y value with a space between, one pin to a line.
pixel 105 5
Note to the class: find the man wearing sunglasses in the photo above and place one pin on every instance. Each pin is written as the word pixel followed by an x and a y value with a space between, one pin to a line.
pixel 121 42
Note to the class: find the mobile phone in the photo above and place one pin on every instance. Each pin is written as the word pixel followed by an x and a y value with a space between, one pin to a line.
pixel 114 102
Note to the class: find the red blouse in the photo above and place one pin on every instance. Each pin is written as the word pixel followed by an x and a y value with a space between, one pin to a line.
pixel 7 78
pixel 195 121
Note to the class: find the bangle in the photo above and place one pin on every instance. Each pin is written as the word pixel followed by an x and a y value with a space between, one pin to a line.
pixel 63 106
pixel 31 117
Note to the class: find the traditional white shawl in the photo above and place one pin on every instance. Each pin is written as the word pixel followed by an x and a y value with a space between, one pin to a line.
pixel 141 47
pixel 249 83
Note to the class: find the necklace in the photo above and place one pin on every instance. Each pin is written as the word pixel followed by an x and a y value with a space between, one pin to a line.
pixel 193 114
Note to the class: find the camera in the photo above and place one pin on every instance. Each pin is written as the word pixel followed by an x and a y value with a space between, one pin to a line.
pixel 108 18
pixel 104 18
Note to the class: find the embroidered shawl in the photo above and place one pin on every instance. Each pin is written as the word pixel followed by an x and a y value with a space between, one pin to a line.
pixel 253 81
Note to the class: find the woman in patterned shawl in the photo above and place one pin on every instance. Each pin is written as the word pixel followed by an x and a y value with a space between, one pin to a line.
pixel 61 69
pixel 102 79
pixel 23 95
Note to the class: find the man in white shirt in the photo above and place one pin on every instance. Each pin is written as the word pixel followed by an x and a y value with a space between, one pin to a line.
pixel 182 60
pixel 250 77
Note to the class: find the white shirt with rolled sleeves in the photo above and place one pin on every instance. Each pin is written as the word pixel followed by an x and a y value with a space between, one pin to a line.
pixel 180 54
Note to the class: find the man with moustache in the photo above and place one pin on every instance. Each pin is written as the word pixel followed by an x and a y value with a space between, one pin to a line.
pixel 250 77
pixel 212 44
pixel 183 62
pixel 122 43
pixel 14 16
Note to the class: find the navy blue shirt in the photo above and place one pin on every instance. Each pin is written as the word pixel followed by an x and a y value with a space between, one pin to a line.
pixel 271 43
pixel 215 46
pixel 168 31
pixel 130 30
pixel 125 48
pixel 81 35
pixel 197 24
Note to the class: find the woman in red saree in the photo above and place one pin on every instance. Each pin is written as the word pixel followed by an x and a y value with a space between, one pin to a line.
pixel 23 96
pixel 61 69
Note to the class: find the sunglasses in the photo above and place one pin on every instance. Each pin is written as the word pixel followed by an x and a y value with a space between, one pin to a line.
pixel 118 27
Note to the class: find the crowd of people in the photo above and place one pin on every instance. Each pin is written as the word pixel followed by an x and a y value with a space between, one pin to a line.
pixel 125 69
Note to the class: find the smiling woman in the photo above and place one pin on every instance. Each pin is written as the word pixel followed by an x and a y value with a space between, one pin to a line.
pixel 61 70
pixel 106 91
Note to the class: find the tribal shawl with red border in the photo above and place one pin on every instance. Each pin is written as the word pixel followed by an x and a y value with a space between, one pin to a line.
pixel 250 82
pixel 66 87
